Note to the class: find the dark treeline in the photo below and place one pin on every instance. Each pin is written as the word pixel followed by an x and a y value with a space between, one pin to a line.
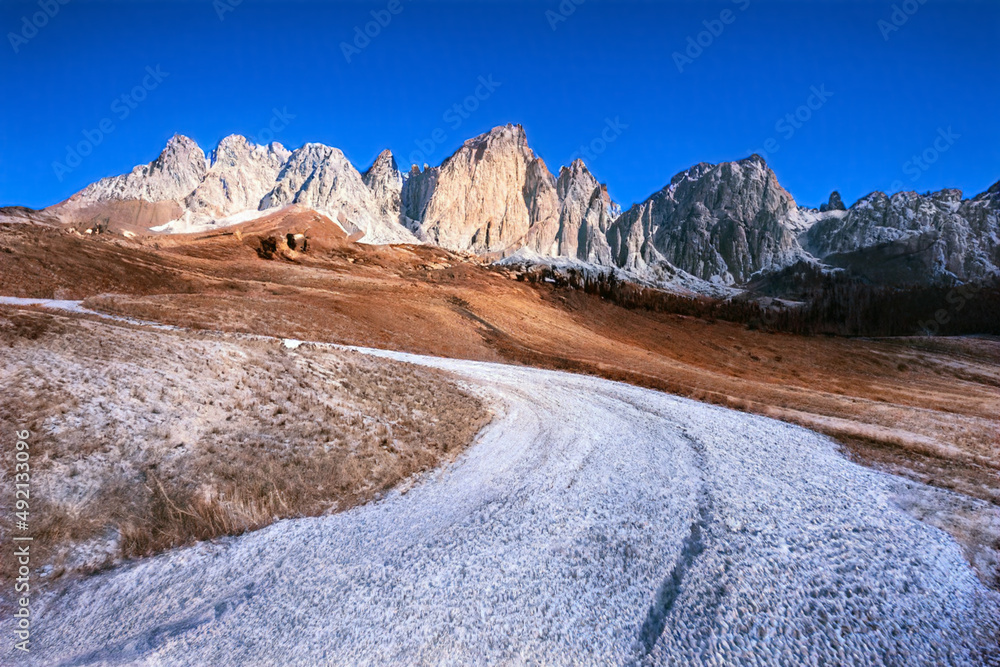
pixel 853 308
pixel 837 305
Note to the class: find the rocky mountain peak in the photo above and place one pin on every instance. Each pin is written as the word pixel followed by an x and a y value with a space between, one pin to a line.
pixel 874 198
pixel 241 173
pixel 586 212
pixel 911 238
pixel 177 170
pixel 180 157
pixel 577 166
pixel 235 148
pixel 315 154
pixel 321 177
pixel 692 173
pixel 179 146
pixel 386 184
pixel 501 138
pixel 833 204
pixel 576 174
pixel 487 195
pixel 230 145
pixel 717 222
pixel 384 163
pixel 575 178
pixel 508 133
pixel 948 194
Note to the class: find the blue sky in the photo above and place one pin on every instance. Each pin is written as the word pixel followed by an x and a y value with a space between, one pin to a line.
pixel 879 96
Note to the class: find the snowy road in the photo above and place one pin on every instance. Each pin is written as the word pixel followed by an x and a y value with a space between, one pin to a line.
pixel 592 523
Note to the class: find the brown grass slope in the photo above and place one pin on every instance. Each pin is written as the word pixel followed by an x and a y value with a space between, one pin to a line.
pixel 143 440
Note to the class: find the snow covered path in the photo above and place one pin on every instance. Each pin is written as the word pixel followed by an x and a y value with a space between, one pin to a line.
pixel 55 304
pixel 592 523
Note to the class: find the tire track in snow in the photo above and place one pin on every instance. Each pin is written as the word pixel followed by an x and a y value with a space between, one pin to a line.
pixel 134 647
pixel 670 589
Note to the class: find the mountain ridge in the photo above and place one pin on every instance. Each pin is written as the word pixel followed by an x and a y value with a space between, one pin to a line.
pixel 724 224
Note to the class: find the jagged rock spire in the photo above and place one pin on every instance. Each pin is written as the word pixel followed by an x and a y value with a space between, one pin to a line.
pixel 834 204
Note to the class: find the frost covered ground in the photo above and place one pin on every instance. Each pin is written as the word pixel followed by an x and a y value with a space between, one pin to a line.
pixel 593 523
pixel 144 439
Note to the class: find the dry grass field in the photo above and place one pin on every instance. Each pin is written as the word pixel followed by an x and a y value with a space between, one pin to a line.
pixel 924 408
pixel 143 440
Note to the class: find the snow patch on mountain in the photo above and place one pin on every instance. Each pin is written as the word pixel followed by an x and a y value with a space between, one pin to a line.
pixel 191 223
pixel 663 277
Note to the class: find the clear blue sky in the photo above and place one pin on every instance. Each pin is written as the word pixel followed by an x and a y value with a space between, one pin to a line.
pixel 889 97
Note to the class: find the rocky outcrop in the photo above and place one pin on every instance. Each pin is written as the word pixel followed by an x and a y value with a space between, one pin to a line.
pixel 386 183
pixel 321 178
pixel 834 203
pixel 494 195
pixel 177 171
pixel 585 215
pixel 239 175
pixel 542 198
pixel 908 238
pixel 717 222
pixel 487 196
pixel 418 186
